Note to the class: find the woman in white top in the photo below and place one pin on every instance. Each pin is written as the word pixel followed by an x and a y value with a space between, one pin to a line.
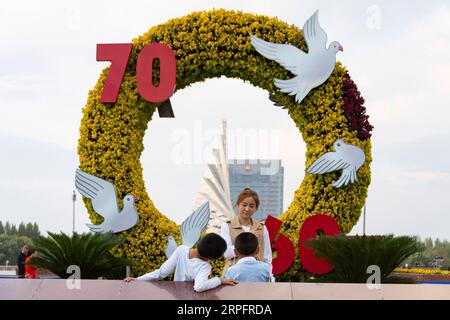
pixel 247 204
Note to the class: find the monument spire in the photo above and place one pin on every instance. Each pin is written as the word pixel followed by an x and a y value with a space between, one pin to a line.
pixel 215 184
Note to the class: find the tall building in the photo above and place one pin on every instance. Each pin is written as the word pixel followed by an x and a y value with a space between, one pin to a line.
pixel 263 176
pixel 224 179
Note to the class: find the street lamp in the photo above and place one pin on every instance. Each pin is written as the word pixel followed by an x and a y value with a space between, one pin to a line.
pixel 74 199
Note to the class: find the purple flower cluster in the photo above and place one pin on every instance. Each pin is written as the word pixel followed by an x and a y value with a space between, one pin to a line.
pixel 355 111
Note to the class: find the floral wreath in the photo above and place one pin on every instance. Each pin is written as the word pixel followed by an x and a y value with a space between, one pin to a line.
pixel 209 45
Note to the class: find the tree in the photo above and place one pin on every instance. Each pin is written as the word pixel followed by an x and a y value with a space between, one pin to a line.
pixel 431 250
pixel 12 239
pixel 13 230
pixel 30 230
pixel 10 247
pixel 429 243
pixel 22 230
pixel 36 233
pixel 437 243
pixel 7 228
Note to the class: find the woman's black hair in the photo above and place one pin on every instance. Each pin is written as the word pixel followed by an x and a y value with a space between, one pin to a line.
pixel 212 246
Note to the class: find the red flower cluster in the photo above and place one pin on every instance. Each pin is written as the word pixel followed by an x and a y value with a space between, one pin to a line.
pixel 355 111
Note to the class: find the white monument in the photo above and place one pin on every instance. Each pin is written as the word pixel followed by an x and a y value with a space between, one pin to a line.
pixel 215 185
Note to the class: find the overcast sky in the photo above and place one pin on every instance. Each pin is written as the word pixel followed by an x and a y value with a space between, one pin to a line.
pixel 398 55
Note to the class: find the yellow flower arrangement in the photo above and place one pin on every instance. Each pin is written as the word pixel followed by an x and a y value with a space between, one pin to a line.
pixel 424 271
pixel 209 45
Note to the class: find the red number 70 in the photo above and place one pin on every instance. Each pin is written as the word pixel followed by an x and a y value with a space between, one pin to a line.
pixel 119 54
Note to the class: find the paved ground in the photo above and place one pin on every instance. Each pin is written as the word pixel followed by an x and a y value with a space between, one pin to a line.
pixel 45 289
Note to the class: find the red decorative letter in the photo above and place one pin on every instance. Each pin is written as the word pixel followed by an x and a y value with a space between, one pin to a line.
pixel 118 54
pixel 167 74
pixel 309 230
pixel 283 246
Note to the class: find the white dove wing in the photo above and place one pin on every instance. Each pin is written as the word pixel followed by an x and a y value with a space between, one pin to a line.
pixel 288 56
pixel 314 35
pixel 195 224
pixel 345 178
pixel 101 192
pixel 354 155
pixel 328 162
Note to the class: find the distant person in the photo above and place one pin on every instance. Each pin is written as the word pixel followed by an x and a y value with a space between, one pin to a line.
pixel 247 204
pixel 30 271
pixel 21 261
pixel 248 269
pixel 193 264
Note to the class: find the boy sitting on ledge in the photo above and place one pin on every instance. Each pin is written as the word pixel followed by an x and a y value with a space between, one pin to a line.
pixel 248 269
pixel 193 264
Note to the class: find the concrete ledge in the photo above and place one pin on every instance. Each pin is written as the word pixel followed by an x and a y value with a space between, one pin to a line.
pixel 56 289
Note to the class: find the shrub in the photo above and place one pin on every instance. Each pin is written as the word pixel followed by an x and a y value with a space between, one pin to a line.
pixel 351 256
pixel 90 252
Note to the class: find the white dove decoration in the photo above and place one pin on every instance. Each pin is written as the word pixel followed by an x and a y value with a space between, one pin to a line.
pixel 171 246
pixel 104 201
pixel 190 229
pixel 347 157
pixel 312 68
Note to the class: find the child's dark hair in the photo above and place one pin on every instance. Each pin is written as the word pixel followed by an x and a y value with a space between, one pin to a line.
pixel 246 243
pixel 212 246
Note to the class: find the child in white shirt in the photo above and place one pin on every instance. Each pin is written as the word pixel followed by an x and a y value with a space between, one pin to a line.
pixel 193 264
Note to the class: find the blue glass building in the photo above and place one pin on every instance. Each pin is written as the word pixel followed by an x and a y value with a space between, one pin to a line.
pixel 263 176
